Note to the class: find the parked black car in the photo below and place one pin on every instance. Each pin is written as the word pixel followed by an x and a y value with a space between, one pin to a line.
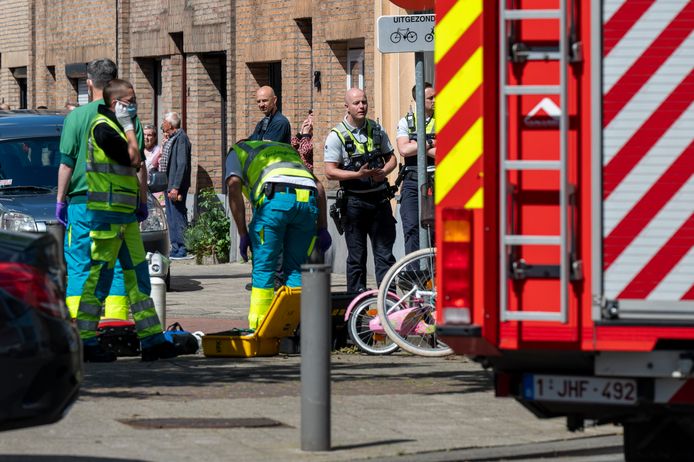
pixel 29 161
pixel 40 349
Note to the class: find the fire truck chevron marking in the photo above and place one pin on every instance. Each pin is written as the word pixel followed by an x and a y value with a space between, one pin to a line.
pixel 468 189
pixel 661 264
pixel 443 7
pixel 678 282
pixel 646 174
pixel 635 113
pixel 454 24
pixel 459 160
pixel 639 73
pixel 690 294
pixel 456 92
pixel 461 122
pixel 622 21
pixel 627 262
pixel 637 40
pixel 646 136
pixel 463 49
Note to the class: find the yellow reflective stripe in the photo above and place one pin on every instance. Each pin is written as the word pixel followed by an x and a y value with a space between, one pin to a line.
pixel 459 160
pixel 303 195
pixel 476 201
pixel 453 25
pixel 459 89
pixel 310 247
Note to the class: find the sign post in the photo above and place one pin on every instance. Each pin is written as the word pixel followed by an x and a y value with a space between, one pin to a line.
pixel 403 34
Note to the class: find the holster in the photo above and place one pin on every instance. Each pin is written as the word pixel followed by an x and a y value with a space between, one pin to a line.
pixel 337 211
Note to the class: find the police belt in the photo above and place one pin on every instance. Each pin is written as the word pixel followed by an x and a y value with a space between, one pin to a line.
pixel 379 191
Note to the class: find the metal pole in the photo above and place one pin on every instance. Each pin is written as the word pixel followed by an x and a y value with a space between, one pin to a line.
pixel 315 357
pixel 421 143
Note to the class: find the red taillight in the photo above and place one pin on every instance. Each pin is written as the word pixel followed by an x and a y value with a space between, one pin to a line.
pixel 33 287
pixel 456 267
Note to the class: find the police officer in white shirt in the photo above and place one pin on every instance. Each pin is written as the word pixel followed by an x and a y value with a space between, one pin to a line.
pixel 359 155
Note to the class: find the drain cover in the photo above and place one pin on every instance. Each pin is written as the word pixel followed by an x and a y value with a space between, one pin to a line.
pixel 252 422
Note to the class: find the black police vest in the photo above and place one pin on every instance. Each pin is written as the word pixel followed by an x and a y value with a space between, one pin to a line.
pixel 357 152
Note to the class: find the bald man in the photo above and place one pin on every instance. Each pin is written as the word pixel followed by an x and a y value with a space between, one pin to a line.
pixel 368 211
pixel 274 126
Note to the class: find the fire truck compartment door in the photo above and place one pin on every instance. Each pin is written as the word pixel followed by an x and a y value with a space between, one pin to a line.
pixel 643 162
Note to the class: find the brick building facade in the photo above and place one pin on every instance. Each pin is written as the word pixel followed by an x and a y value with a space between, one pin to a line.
pixel 205 59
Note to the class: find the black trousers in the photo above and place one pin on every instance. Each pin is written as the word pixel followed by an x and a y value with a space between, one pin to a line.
pixel 368 215
pixel 409 213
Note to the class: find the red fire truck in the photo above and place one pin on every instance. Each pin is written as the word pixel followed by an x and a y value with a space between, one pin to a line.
pixel 565 202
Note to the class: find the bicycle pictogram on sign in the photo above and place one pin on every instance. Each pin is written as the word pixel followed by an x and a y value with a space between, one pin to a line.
pixel 407 34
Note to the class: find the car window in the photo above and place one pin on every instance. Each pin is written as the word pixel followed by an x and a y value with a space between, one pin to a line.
pixel 30 162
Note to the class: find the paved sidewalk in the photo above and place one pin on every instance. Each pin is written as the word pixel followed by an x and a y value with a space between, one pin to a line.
pixel 396 407
pixel 212 298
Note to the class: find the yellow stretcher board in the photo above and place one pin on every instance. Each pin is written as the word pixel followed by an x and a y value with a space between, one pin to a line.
pixel 281 320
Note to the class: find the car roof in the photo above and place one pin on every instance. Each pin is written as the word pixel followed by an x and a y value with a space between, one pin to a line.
pixel 30 124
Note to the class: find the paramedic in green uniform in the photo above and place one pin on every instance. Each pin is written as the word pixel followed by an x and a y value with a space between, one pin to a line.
pixel 116 202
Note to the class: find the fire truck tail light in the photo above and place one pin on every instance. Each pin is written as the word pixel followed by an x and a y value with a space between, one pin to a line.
pixel 456 230
pixel 456 280
pixel 456 315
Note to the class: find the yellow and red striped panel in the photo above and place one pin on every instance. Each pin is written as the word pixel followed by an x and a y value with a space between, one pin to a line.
pixel 459 123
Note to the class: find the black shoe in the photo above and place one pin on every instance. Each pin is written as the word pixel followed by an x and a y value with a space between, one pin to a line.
pixel 98 354
pixel 164 350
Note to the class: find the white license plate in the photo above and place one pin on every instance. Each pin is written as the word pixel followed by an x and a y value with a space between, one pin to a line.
pixel 579 389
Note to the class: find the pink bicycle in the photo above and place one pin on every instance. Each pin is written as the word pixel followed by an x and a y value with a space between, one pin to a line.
pixel 364 327
pixel 405 317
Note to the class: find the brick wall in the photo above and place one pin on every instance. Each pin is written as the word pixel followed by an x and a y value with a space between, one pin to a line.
pixel 14 46
pixel 190 40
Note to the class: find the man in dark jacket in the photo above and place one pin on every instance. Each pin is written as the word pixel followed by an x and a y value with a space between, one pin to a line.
pixel 176 160
pixel 274 126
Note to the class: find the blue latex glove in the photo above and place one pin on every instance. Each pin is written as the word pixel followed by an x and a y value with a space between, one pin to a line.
pixel 324 240
pixel 142 212
pixel 244 245
pixel 61 212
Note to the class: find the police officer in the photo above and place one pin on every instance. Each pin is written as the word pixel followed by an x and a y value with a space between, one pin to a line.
pixel 368 212
pixel 407 142
pixel 116 201
pixel 289 216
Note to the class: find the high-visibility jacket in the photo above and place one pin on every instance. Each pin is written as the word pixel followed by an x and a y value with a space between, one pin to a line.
pixel 355 149
pixel 262 160
pixel 111 187
pixel 430 129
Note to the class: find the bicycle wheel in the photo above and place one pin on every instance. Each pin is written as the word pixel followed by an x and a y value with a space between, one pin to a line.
pixel 366 336
pixel 410 321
